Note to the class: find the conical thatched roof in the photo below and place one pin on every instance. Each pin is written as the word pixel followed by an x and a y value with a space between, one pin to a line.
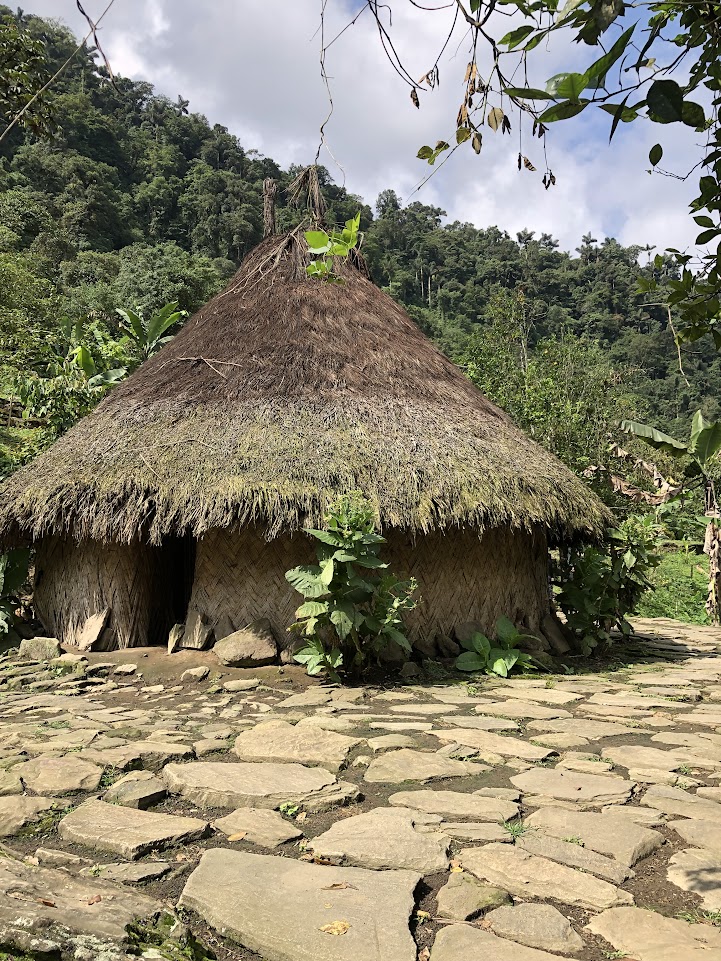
pixel 280 393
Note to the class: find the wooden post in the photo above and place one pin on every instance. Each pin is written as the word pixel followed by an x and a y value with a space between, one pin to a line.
pixel 270 189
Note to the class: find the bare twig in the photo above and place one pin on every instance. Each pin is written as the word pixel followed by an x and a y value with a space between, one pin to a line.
pixel 675 340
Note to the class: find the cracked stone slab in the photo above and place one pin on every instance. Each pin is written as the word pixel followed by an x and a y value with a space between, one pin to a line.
pixel 17 812
pixel 649 936
pixel 579 727
pixel 615 836
pixel 546 695
pixel 394 767
pixel 487 741
pixel 461 942
pixel 644 758
pixel 487 723
pixel 216 784
pixel 672 800
pixel 281 741
pixel 127 832
pixel 701 834
pixel 582 789
pixel 521 710
pixel 456 804
pixel 287 903
pixel 525 875
pixel 699 871
pixel 53 913
pixel 385 838
pixel 463 897
pixel 573 854
pixel 58 775
pixel 268 829
pixel 536 926
pixel 139 789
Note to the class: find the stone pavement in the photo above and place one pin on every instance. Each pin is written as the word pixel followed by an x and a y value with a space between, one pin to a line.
pixel 151 808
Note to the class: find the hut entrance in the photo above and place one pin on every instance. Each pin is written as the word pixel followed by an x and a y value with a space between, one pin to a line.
pixel 177 569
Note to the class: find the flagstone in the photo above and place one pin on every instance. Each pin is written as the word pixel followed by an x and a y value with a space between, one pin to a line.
pixel 520 710
pixel 580 727
pixel 461 942
pixel 215 784
pixel 259 826
pixel 58 775
pixel 590 789
pixel 127 831
pixel 287 905
pixel 394 767
pixel 280 741
pixel 649 936
pixel 19 811
pixel 544 695
pixel 610 834
pixel 701 834
pixel 456 804
pixel 527 876
pixel 572 852
pixel 537 926
pixel 504 745
pixel 463 897
pixel 672 800
pixel 383 839
pixel 699 871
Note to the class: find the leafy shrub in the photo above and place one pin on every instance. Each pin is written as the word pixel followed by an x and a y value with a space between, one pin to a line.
pixel 498 657
pixel 597 587
pixel 680 585
pixel 13 574
pixel 353 606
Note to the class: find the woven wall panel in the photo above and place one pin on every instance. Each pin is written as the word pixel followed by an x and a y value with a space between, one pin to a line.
pixel 75 580
pixel 461 577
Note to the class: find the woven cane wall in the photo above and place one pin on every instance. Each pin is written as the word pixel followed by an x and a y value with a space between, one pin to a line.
pixel 75 580
pixel 461 577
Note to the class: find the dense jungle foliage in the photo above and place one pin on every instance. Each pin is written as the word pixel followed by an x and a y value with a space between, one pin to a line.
pixel 132 202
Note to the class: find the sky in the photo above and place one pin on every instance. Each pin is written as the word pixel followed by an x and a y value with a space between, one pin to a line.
pixel 253 66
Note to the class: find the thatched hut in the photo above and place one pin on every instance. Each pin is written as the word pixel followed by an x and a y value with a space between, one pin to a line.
pixel 185 490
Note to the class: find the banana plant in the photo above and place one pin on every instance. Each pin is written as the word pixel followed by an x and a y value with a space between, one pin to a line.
pixel 147 333
pixel 703 445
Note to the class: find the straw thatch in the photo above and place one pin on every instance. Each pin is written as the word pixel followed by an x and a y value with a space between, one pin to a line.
pixel 280 393
pixel 240 578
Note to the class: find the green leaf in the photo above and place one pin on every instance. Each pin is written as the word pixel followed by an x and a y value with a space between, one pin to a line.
pixel 162 320
pixel 599 69
pixel 306 580
pixel 84 360
pixel 692 114
pixel 425 153
pixel 505 630
pixel 528 93
pixel 481 644
pixel 317 240
pixel 327 569
pixel 563 111
pixel 655 154
pixel 326 537
pixel 665 101
pixel 705 438
pixel 135 323
pixel 654 438
pixel 312 609
pixel 706 236
pixel 463 134
pixel 515 37
pixel 468 661
pixel 342 623
pixel 570 86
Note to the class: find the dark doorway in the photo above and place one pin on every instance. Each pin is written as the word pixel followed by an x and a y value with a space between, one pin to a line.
pixel 176 560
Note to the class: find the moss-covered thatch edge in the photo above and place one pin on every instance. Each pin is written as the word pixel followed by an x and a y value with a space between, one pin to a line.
pixel 147 471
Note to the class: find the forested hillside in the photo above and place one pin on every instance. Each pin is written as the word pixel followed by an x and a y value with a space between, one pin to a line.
pixel 136 201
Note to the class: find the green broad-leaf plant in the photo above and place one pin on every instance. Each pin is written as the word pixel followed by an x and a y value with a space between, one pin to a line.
pixel 353 608
pixel 147 334
pixel 338 243
pixel 13 574
pixel 499 656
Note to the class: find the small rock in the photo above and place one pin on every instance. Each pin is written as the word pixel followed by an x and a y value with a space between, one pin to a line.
pixel 209 746
pixel 48 857
pixel 267 829
pixel 252 647
pixel 583 789
pixel 463 897
pixel 197 635
pixel 409 669
pixel 39 649
pixel 69 661
pixel 125 669
pixel 241 685
pixel 537 926
pixel 195 674
pixel 139 789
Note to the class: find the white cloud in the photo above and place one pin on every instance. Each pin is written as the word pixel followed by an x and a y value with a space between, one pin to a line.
pixel 253 67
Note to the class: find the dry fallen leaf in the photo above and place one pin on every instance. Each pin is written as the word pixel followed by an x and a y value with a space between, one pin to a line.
pixel 340 886
pixel 96 900
pixel 237 837
pixel 335 927
pixel 47 903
